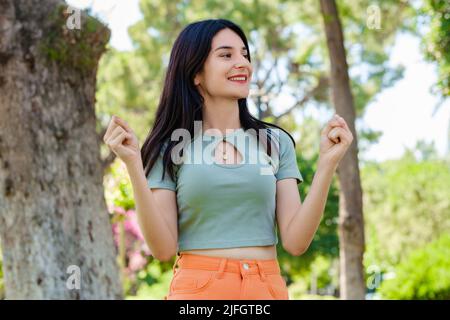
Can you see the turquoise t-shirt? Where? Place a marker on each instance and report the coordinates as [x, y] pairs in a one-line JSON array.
[[228, 205]]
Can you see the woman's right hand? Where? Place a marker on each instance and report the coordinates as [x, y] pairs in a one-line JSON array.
[[120, 138]]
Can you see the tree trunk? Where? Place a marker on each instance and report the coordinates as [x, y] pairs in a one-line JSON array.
[[351, 222], [53, 217]]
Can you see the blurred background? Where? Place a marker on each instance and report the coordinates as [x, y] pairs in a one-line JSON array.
[[398, 55]]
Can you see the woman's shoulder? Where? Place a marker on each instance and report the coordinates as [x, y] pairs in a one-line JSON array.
[[279, 135]]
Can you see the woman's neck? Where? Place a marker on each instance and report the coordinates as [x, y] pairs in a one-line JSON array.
[[221, 114]]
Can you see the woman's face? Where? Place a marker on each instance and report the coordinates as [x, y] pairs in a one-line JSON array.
[[227, 58]]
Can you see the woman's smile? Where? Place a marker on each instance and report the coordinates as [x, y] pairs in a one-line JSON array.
[[239, 79]]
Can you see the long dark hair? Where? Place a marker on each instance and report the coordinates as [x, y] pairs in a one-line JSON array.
[[181, 103]]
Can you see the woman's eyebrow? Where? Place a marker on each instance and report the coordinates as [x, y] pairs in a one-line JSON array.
[[228, 47]]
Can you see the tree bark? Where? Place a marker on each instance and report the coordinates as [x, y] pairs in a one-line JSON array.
[[52, 209], [351, 222]]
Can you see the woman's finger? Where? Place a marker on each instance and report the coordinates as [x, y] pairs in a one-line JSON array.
[[334, 122], [117, 131], [122, 123], [332, 136], [111, 126], [119, 139], [336, 134], [349, 137], [344, 123], [341, 135]]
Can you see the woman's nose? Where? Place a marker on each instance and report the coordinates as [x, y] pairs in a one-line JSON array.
[[242, 64]]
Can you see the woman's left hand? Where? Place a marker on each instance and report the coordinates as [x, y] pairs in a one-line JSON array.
[[335, 139]]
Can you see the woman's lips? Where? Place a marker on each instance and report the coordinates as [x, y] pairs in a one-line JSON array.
[[239, 81]]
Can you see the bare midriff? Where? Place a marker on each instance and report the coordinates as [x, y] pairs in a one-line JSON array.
[[249, 253]]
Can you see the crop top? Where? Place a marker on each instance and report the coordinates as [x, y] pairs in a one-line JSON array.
[[228, 205]]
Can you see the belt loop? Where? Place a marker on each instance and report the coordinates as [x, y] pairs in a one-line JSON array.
[[176, 262], [261, 271], [223, 263]]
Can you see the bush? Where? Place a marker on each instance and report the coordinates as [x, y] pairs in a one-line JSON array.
[[423, 275], [157, 289]]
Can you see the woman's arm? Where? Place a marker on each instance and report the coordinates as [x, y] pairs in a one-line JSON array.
[[336, 137], [158, 234], [306, 220]]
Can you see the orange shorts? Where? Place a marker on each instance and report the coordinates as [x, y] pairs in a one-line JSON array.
[[200, 277]]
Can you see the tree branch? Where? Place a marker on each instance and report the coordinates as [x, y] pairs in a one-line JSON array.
[[322, 82]]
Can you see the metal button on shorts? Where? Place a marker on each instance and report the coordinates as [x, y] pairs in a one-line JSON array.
[[245, 266]]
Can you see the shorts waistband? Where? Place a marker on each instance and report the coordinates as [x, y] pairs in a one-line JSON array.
[[221, 264]]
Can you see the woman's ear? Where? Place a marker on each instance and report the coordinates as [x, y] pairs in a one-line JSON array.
[[197, 79]]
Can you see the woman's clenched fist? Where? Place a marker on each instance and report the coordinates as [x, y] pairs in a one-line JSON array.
[[122, 141], [335, 139]]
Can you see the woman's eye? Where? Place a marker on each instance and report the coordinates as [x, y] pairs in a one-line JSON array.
[[228, 55]]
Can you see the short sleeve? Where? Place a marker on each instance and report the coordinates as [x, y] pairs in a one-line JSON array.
[[154, 178], [287, 167]]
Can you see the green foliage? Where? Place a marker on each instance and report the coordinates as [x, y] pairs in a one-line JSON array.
[[367, 49], [118, 188], [153, 283], [320, 281], [406, 205], [126, 88], [423, 275], [437, 40], [77, 48]]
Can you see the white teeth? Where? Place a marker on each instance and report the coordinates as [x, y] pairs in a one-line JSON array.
[[238, 79]]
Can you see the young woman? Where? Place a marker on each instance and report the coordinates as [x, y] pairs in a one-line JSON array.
[[219, 215]]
